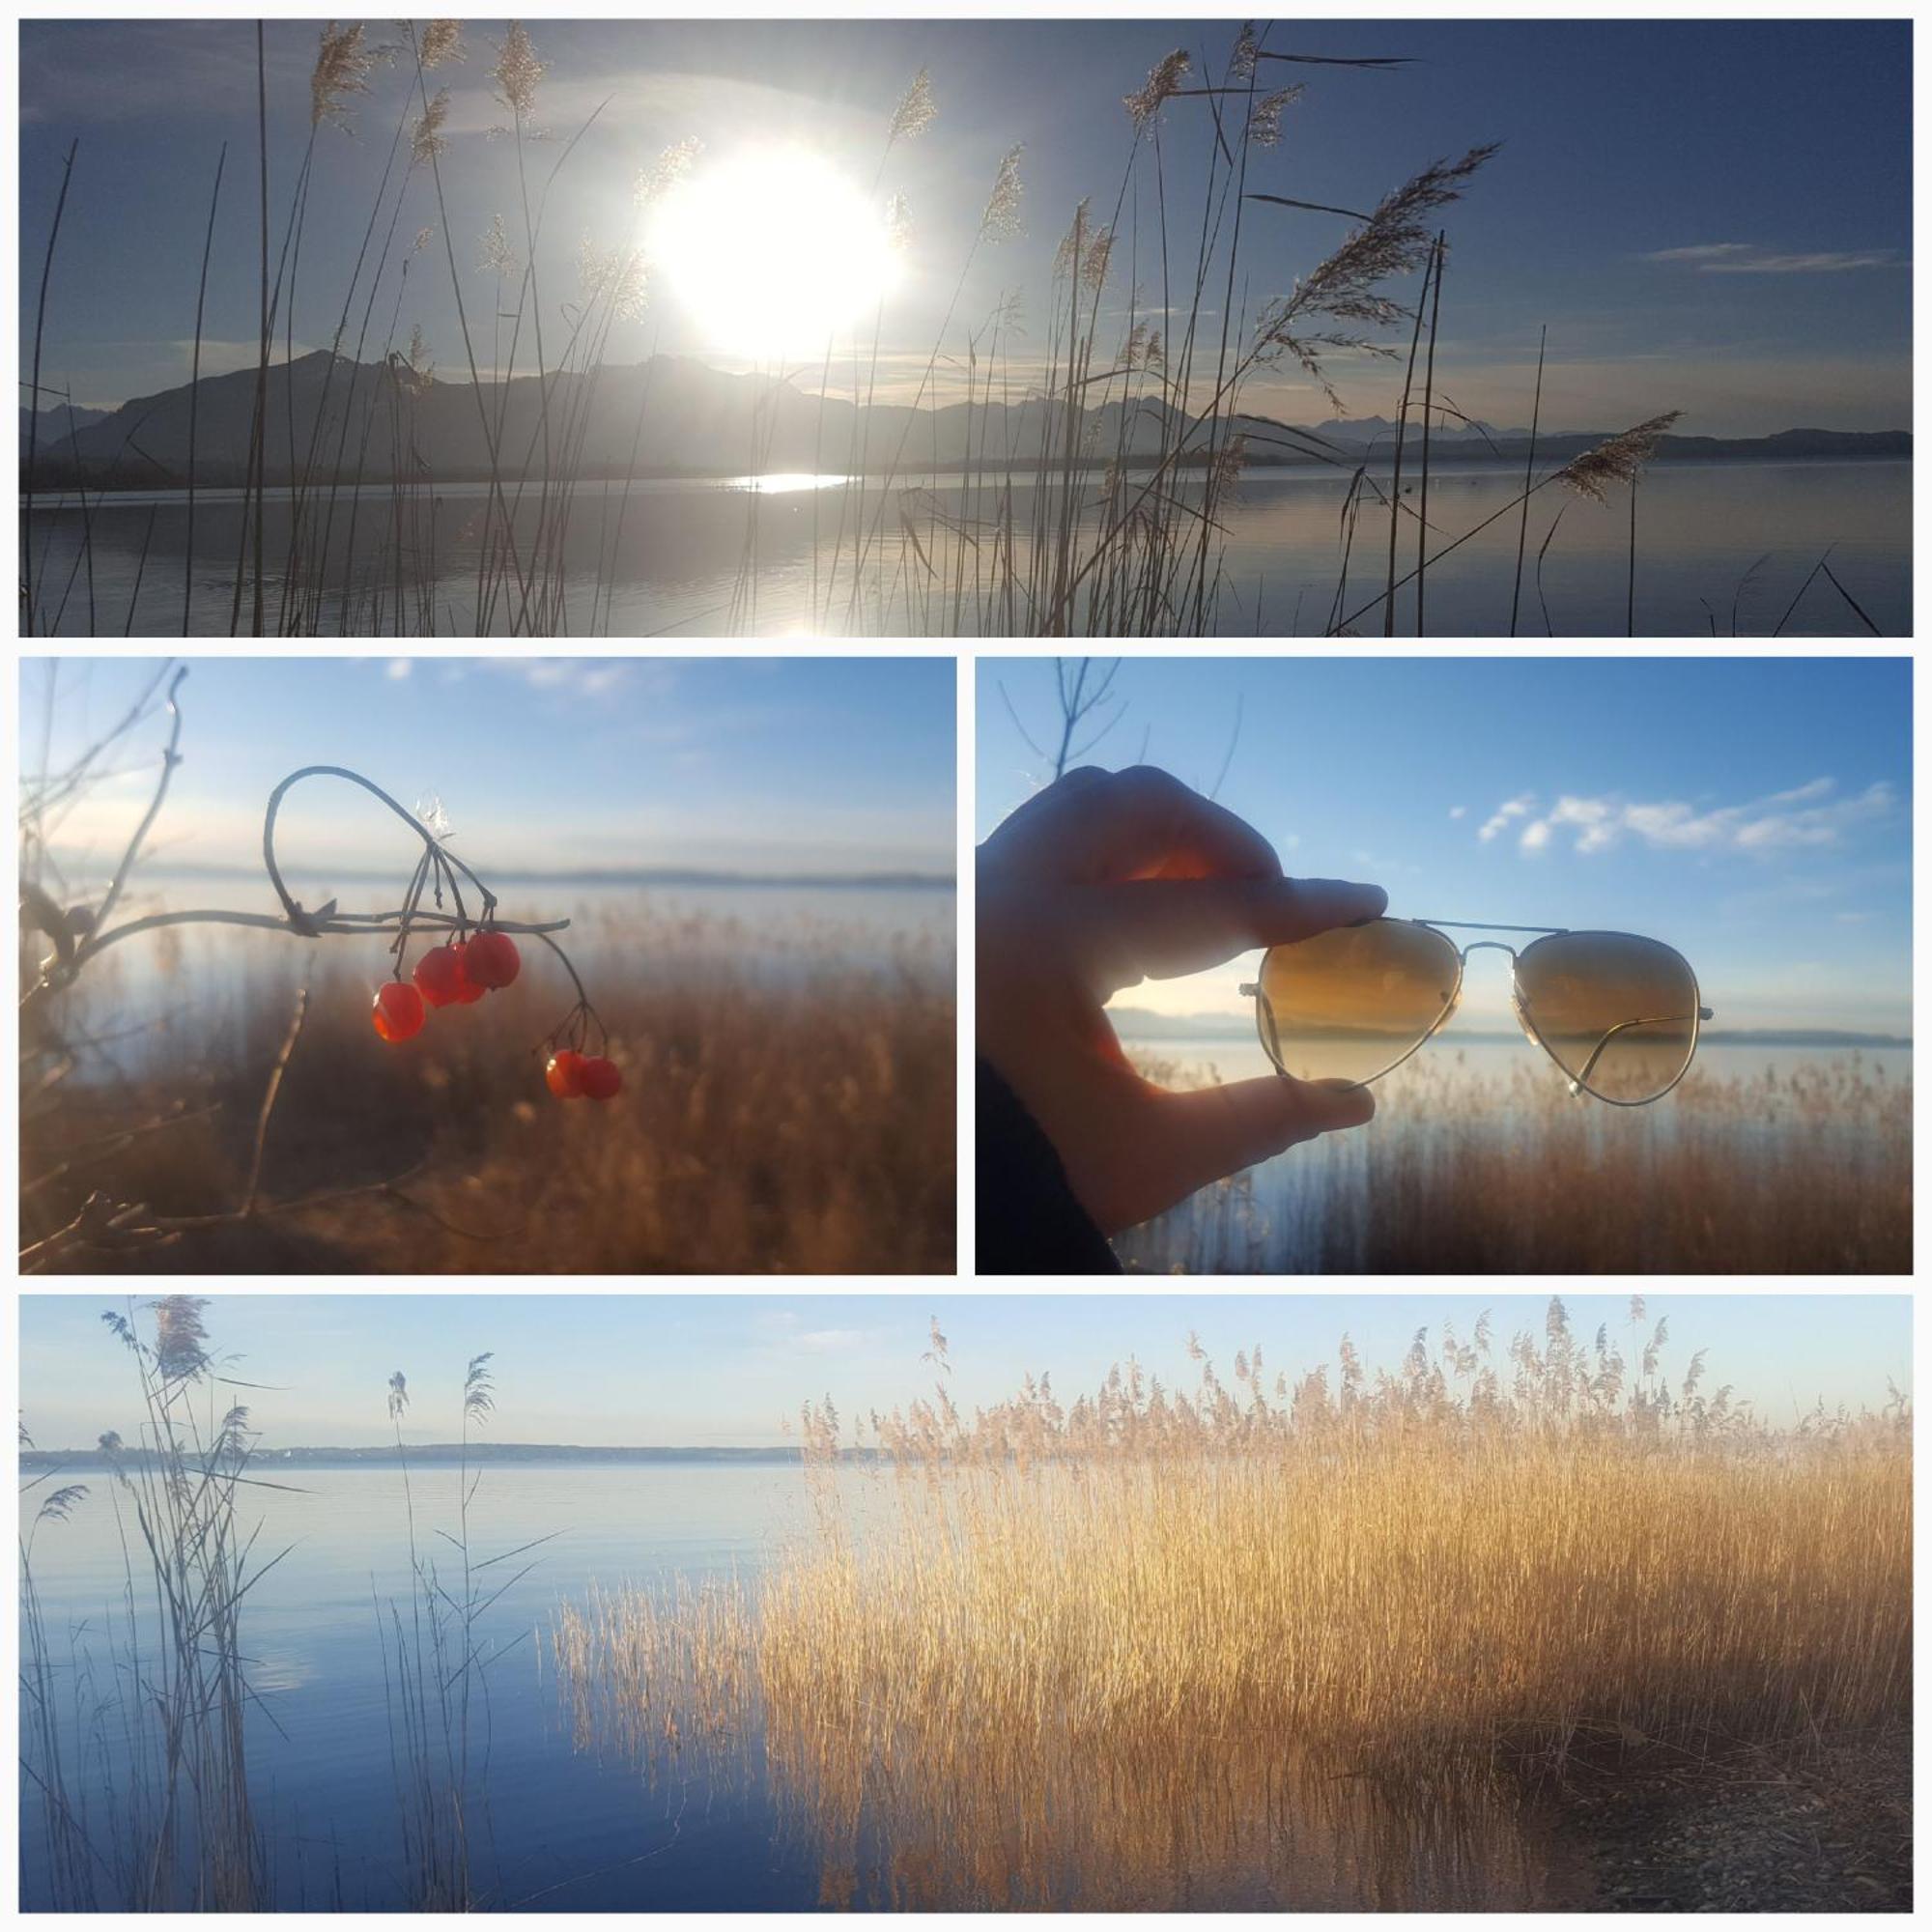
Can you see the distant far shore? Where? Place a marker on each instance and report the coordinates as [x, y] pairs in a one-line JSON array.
[[385, 1455], [1136, 1023], [1881, 445]]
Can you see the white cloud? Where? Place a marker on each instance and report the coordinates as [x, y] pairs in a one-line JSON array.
[[582, 677], [1808, 815], [398, 669], [1747, 258], [1458, 811], [1498, 821]]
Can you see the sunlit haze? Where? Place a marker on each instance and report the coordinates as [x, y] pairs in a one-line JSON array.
[[1709, 216]]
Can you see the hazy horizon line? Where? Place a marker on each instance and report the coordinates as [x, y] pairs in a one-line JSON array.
[[798, 380], [872, 879]]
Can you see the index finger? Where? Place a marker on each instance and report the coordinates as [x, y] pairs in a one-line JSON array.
[[1141, 823], [1162, 928]]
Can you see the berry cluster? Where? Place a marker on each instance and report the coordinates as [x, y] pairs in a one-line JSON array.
[[477, 958], [583, 1076], [456, 974]]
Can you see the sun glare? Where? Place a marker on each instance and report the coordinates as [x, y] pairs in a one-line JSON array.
[[772, 252]]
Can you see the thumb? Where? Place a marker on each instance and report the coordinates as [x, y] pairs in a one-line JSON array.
[[1214, 1132]]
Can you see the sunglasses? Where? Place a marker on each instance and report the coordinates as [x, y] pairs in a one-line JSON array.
[[1617, 1013]]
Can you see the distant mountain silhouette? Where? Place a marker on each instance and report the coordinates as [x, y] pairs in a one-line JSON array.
[[56, 420], [332, 418]]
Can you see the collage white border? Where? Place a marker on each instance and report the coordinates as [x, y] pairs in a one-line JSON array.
[[966, 682]]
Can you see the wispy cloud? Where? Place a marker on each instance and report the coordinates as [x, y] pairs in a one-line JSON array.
[[782, 1336], [1498, 821], [1807, 816], [1749, 258], [576, 677]]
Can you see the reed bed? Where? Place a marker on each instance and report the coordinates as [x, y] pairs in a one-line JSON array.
[[787, 1106], [136, 1783], [1797, 1169], [174, 1827], [1104, 421], [1311, 1639]]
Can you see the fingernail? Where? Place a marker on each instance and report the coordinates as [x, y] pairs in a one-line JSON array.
[[1354, 1105]]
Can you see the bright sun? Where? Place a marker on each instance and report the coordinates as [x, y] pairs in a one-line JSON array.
[[772, 252]]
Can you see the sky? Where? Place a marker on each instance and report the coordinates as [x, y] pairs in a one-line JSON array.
[[1708, 215], [1755, 814], [766, 766], [711, 1370]]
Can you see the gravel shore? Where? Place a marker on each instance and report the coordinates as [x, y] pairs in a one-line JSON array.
[[1827, 1830]]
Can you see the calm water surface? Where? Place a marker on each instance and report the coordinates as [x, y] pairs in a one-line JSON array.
[[1724, 549], [197, 983], [574, 1824]]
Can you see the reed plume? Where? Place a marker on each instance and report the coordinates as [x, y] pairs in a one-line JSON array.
[[1001, 218], [498, 256], [669, 168], [517, 72], [343, 64], [426, 139], [1163, 80], [1265, 118], [1616, 459], [916, 111], [441, 42]]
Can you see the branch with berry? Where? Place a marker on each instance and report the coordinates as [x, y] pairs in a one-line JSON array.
[[474, 951]]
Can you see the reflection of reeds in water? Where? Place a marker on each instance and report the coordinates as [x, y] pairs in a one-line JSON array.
[[1792, 1171], [785, 1106], [1308, 1643]]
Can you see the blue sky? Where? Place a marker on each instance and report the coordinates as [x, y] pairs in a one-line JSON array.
[[711, 1369], [785, 766], [1755, 813], [1710, 216]]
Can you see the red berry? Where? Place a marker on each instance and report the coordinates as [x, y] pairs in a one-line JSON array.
[[564, 1075], [398, 1013], [599, 1078], [440, 976], [469, 992], [493, 960]]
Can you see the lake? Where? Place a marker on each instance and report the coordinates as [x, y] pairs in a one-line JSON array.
[[1724, 549], [575, 1822], [183, 986]]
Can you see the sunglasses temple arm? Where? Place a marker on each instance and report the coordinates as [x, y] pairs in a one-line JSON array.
[[1265, 1009], [1624, 1026]]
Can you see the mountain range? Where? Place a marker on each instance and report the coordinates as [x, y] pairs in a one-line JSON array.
[[330, 418]]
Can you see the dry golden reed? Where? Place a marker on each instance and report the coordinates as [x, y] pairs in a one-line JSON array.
[[775, 1119], [1109, 1652], [1802, 1167]]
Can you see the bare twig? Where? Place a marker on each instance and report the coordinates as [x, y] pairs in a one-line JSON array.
[[270, 1095], [170, 758]]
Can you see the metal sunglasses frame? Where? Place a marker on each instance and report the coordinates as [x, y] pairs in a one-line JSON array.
[[1579, 1083]]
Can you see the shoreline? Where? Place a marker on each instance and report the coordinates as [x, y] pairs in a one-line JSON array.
[[1824, 1827]]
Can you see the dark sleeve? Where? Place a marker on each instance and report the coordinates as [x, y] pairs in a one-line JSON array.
[[1027, 1219]]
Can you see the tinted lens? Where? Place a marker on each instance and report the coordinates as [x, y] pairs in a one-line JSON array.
[[1618, 1015], [1348, 1005]]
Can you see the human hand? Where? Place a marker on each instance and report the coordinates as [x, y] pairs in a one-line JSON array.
[[1100, 881]]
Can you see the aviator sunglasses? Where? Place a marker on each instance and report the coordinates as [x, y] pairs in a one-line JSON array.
[[1619, 1014]]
